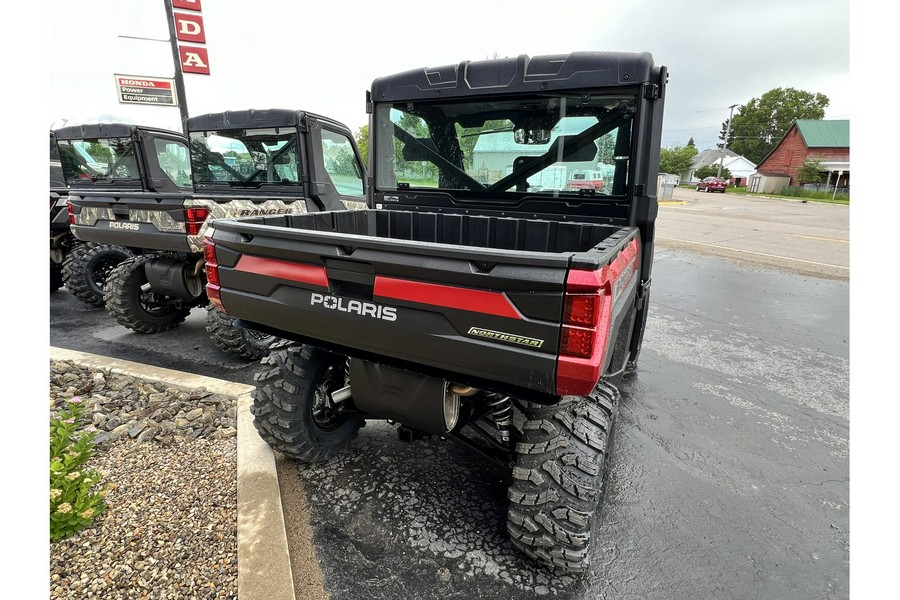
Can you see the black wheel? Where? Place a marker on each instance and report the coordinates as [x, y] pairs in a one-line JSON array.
[[87, 268], [558, 478], [131, 302], [56, 280], [292, 406], [241, 342]]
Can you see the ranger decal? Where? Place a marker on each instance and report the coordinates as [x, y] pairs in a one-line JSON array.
[[265, 211]]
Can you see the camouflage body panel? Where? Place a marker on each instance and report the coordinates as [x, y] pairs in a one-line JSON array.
[[162, 220], [239, 207], [354, 205]]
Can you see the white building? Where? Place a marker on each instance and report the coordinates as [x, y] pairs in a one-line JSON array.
[[739, 167]]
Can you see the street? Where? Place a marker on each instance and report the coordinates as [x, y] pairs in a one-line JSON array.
[[809, 238]]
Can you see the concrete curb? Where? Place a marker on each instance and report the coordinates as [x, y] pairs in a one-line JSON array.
[[264, 566]]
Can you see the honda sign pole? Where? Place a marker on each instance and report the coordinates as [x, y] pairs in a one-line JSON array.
[[179, 75]]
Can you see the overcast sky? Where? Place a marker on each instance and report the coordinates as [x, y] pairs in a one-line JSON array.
[[323, 56]]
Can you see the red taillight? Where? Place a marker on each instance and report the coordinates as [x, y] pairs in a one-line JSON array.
[[212, 274], [577, 341], [580, 309], [213, 288], [71, 212], [587, 318], [209, 251], [194, 219]]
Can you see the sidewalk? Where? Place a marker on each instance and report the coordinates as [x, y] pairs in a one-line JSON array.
[[264, 566]]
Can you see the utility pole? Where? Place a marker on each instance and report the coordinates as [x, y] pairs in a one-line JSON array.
[[727, 135]]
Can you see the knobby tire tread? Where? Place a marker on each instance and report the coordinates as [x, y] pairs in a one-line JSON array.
[[285, 388], [558, 478]]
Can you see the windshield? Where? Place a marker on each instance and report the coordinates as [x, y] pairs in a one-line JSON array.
[[99, 159], [567, 144], [245, 156]]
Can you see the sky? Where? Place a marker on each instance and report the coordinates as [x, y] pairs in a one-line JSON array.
[[323, 56]]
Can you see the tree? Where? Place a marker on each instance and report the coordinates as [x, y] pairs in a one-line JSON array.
[[677, 159], [760, 124], [722, 133], [712, 171], [99, 151], [691, 143], [362, 142], [810, 171], [606, 148]]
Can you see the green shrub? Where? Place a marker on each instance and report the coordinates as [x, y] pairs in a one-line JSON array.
[[76, 498]]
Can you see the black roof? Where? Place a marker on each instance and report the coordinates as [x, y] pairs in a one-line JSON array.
[[575, 70], [245, 119], [106, 130], [254, 119]]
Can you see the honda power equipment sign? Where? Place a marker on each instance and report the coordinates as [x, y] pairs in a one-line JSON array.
[[134, 89]]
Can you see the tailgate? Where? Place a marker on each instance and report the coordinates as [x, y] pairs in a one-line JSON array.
[[487, 314], [165, 221], [140, 220]]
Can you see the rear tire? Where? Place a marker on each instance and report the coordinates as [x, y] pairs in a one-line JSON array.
[[290, 403], [238, 341], [87, 268], [140, 310], [558, 478]]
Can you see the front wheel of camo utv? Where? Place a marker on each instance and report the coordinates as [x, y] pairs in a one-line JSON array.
[[238, 341], [87, 268], [558, 478], [293, 409], [131, 302]]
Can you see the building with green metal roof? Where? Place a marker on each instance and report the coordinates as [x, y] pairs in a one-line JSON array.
[[825, 141]]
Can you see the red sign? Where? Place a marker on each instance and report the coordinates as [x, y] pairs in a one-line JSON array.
[[194, 60], [189, 28], [146, 90], [186, 4]]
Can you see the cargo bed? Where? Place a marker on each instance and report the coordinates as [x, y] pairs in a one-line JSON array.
[[473, 298]]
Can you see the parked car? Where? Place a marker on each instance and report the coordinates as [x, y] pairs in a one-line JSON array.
[[712, 184], [586, 180]]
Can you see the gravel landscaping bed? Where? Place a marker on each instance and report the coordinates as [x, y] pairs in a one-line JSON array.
[[170, 457]]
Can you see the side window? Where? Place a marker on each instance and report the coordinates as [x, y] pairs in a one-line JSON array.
[[174, 160], [341, 164]]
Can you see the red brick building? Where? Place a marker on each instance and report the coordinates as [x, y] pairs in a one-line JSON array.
[[826, 141]]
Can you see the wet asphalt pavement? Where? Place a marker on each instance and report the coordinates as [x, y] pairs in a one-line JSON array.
[[729, 476]]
